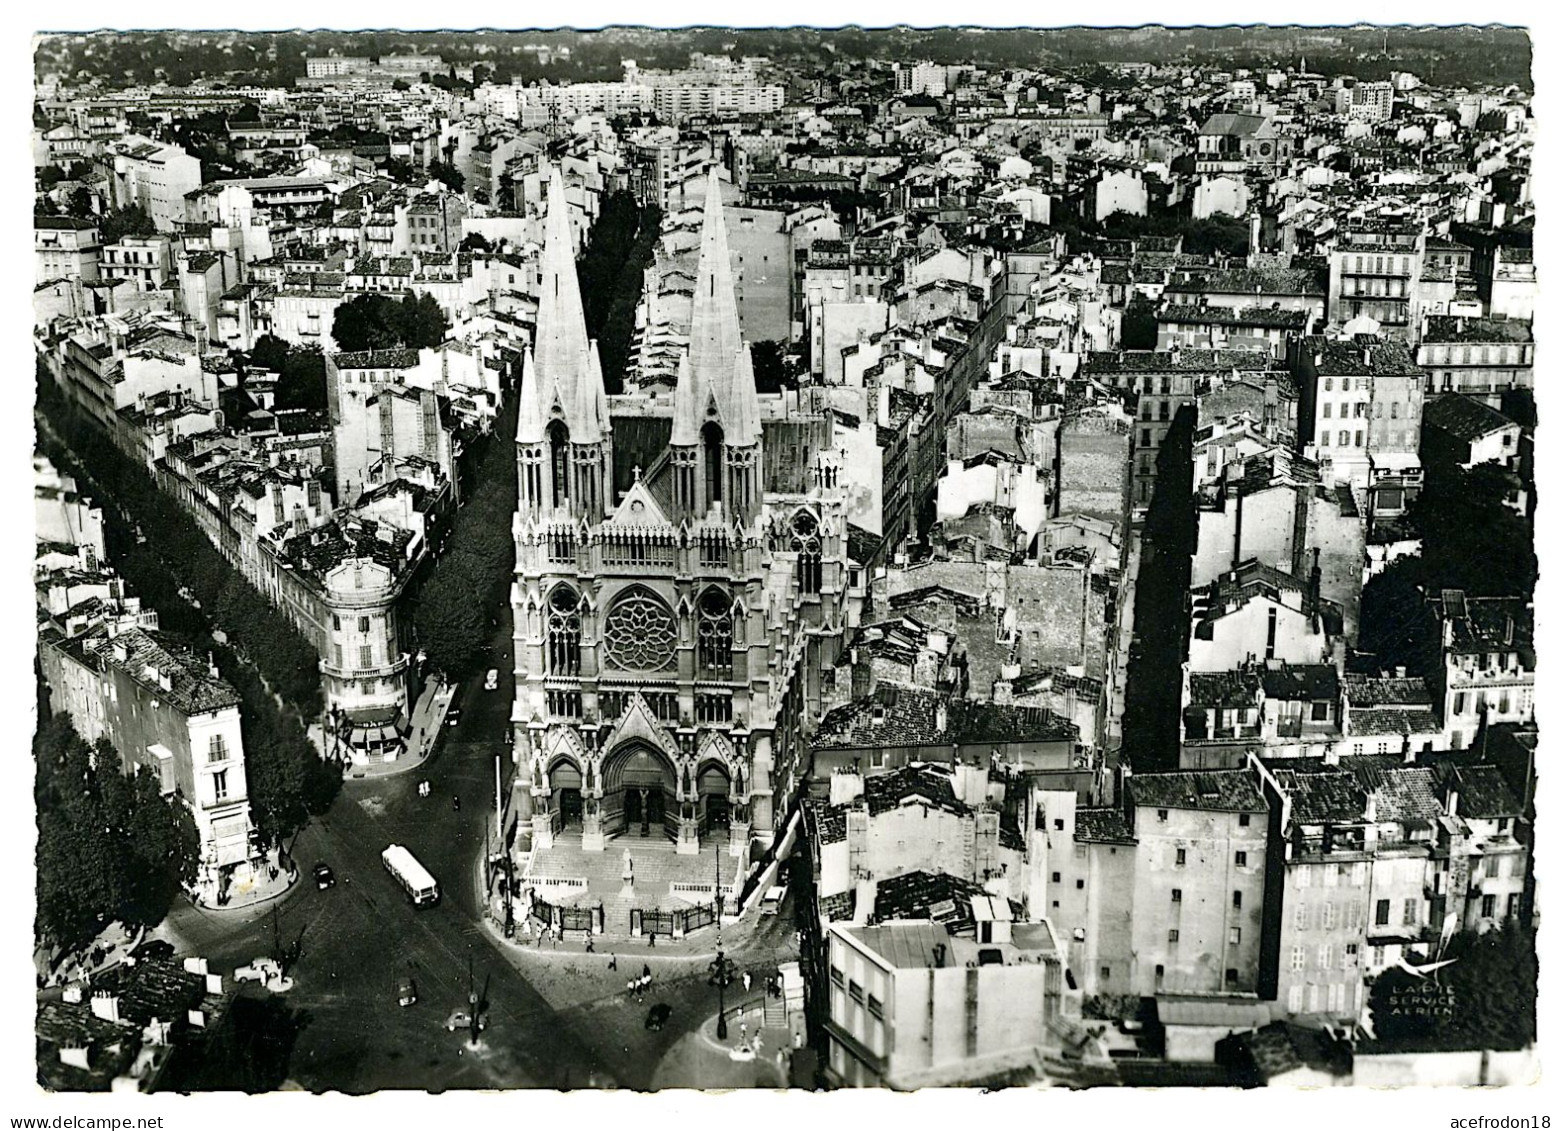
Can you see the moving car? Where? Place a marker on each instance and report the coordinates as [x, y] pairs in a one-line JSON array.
[[656, 1019], [492, 682], [452, 716], [771, 904], [323, 876], [406, 990]]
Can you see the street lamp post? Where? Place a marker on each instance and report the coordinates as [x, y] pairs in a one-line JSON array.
[[721, 966]]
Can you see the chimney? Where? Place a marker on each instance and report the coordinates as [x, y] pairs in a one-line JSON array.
[[1507, 635], [943, 717], [105, 1006], [1365, 358]]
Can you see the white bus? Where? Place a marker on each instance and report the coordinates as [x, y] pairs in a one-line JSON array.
[[420, 887]]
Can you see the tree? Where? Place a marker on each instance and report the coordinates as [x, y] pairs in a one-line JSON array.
[[303, 380], [448, 175], [110, 844], [1140, 331], [1484, 1000], [368, 322], [130, 220], [1471, 540], [400, 84], [269, 353], [770, 373], [476, 241], [423, 322]]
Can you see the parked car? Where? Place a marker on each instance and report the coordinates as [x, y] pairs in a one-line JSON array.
[[152, 949], [260, 970], [492, 682], [656, 1019], [406, 990], [323, 876]]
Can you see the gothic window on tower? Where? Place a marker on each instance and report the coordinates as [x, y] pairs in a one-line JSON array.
[[810, 554], [563, 632], [558, 441], [714, 469], [640, 634], [715, 635]]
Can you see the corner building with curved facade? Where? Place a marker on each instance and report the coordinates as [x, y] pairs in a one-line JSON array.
[[668, 642]]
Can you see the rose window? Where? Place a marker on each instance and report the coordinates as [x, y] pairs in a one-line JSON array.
[[640, 634]]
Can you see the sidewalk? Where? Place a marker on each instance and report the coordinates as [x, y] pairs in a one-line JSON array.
[[105, 952], [427, 720]]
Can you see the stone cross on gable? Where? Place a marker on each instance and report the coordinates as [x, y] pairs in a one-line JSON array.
[[636, 473]]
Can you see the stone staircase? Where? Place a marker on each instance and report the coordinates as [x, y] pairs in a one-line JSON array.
[[774, 1012]]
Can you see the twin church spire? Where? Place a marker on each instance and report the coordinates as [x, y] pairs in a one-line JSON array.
[[565, 431]]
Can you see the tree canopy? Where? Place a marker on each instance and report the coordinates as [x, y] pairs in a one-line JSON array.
[[1484, 1000], [477, 565], [110, 845], [130, 220], [377, 322]]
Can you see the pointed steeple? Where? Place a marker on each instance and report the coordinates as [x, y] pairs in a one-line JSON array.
[[563, 352], [531, 428], [686, 412], [715, 345]]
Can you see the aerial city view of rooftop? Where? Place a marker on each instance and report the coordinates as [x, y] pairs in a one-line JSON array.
[[784, 558]]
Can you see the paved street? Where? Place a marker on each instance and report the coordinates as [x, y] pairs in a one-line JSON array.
[[556, 1020]]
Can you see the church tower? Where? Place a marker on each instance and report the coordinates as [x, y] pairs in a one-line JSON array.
[[717, 437], [564, 434]]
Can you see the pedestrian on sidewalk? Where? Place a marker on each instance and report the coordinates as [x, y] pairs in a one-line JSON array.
[[747, 981], [652, 940], [612, 962], [590, 944]]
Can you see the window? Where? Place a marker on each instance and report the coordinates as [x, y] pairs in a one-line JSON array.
[[875, 1007], [1105, 973], [1328, 384], [1235, 936], [1360, 438], [1160, 814], [810, 553], [219, 784], [1300, 916], [1411, 912], [366, 656], [1176, 895], [1345, 385], [563, 632], [1159, 973], [1235, 900], [1298, 958], [336, 622], [836, 977], [1175, 936], [1181, 857], [1327, 410], [1325, 439], [1078, 884], [1241, 859], [363, 624], [1327, 916], [1320, 711], [715, 634], [1231, 975], [1384, 910], [1244, 820], [1487, 907], [218, 750], [1056, 877]]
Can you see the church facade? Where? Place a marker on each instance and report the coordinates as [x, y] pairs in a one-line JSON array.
[[668, 642]]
